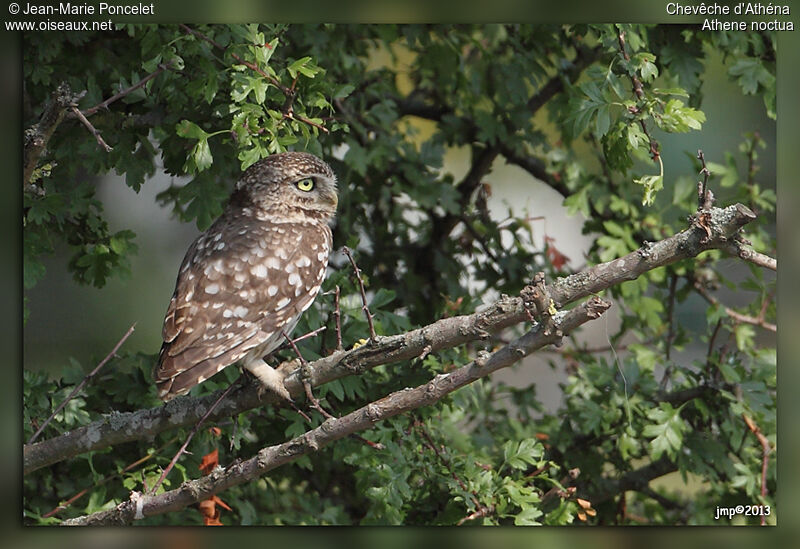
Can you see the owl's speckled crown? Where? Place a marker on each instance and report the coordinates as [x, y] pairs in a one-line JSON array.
[[286, 166]]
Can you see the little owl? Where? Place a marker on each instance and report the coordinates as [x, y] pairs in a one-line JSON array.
[[248, 278]]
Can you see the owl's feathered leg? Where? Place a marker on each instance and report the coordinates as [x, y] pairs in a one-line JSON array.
[[268, 376]]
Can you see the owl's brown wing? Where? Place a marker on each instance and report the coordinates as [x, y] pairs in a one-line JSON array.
[[239, 286]]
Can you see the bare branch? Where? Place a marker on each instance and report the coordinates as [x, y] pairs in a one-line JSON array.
[[637, 90], [182, 449], [82, 384], [305, 375], [122, 93], [738, 317], [91, 128], [446, 333], [372, 336], [747, 253], [766, 449], [337, 313], [312, 333], [673, 283], [705, 198], [271, 457]]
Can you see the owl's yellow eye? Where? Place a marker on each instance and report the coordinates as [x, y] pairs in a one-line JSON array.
[[305, 184]]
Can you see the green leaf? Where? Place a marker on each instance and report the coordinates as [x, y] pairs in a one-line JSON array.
[[745, 335], [652, 184], [201, 155], [343, 90], [683, 63], [646, 63], [33, 271], [751, 74], [528, 517], [679, 118], [521, 454], [382, 297], [603, 120], [578, 202], [190, 130], [668, 430], [299, 66], [646, 357], [670, 91]]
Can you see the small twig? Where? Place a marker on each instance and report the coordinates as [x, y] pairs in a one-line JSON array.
[[711, 342], [252, 66], [104, 105], [746, 253], [372, 336], [337, 314], [766, 449], [673, 283], [304, 415], [705, 198], [305, 373], [234, 432], [481, 510], [107, 478], [189, 438], [637, 89], [310, 334], [579, 350], [566, 482], [288, 92], [92, 129], [291, 116], [481, 240], [82, 383], [739, 317], [751, 160], [765, 304], [315, 403]]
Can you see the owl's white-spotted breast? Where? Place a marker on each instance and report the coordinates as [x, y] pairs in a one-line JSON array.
[[249, 277]]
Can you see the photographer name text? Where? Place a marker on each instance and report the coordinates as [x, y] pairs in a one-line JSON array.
[[69, 8]]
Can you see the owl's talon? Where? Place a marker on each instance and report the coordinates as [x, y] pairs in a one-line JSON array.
[[269, 379]]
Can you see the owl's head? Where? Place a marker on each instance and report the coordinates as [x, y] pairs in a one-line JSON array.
[[289, 183]]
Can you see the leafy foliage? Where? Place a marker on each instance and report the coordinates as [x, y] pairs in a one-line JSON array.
[[385, 104]]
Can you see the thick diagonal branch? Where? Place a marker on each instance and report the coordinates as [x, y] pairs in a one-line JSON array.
[[37, 136], [271, 457], [116, 428]]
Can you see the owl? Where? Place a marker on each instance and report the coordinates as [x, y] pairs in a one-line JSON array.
[[248, 278]]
